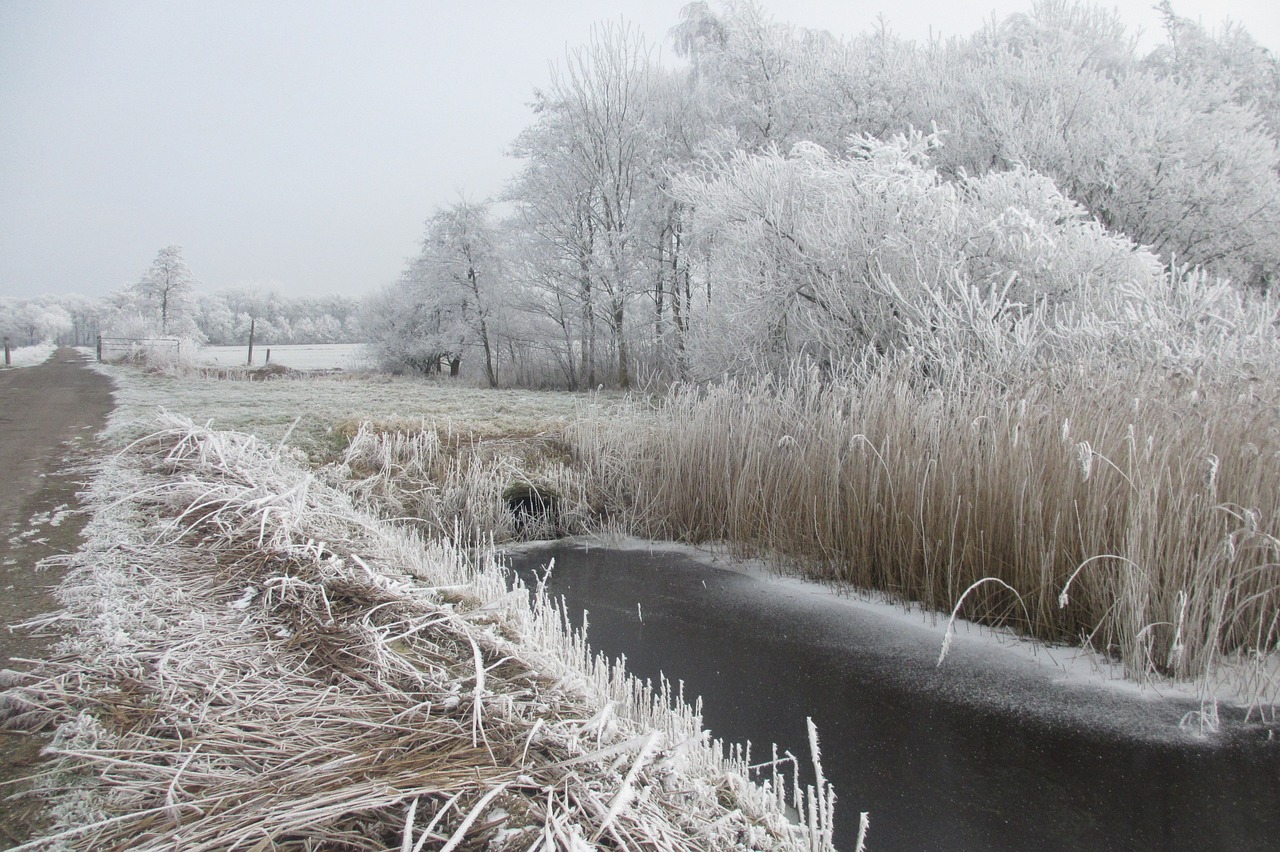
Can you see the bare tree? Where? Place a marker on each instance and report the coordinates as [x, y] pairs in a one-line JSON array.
[[596, 130], [447, 300]]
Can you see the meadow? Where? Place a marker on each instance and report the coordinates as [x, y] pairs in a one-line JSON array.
[[297, 356], [319, 413]]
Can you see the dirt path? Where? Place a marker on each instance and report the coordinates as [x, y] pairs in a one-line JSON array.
[[49, 415]]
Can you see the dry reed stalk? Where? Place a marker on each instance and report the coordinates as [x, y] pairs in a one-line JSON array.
[[1153, 496], [253, 662]]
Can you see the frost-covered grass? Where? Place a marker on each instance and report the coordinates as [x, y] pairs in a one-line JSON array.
[[451, 457], [330, 409], [253, 661], [29, 356], [460, 479], [1147, 501]]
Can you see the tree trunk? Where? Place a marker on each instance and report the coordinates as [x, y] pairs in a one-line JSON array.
[[661, 282], [490, 372], [624, 376]]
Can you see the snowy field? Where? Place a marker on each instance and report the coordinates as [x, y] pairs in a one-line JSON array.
[[301, 356], [325, 404], [29, 356]]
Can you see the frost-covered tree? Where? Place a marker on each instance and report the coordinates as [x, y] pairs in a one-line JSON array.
[[165, 292], [86, 314], [457, 276], [28, 322], [550, 255], [760, 82], [592, 150], [216, 319], [448, 300], [1177, 150], [1176, 162], [1229, 57], [828, 257], [996, 191], [224, 317]]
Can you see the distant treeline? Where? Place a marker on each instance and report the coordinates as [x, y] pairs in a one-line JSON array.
[[219, 318]]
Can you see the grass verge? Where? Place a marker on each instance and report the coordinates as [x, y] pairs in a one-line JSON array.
[[250, 659]]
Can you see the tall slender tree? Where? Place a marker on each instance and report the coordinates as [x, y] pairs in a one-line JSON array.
[[595, 128], [165, 289]]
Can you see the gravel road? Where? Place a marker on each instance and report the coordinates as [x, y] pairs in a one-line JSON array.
[[49, 417]]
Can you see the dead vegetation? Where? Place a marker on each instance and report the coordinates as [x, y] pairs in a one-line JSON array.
[[1127, 510], [467, 481], [251, 662]]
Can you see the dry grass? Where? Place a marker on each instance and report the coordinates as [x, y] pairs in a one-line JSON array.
[[1135, 512], [462, 481], [252, 662], [446, 456], [29, 356]]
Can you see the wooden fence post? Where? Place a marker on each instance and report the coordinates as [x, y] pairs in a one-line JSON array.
[[8, 361], [251, 325], [99, 347]]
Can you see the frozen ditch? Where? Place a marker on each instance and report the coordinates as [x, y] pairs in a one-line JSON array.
[[1003, 747]]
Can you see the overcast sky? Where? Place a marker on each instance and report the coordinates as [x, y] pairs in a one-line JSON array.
[[301, 145]]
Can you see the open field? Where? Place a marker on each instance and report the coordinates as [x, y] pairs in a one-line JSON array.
[[329, 409], [297, 356]]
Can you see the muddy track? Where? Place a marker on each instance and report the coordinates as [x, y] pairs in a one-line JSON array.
[[49, 417]]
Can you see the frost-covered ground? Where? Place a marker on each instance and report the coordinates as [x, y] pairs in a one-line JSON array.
[[29, 356], [250, 660], [329, 407], [299, 356]]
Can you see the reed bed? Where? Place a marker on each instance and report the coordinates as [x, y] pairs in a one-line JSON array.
[[250, 661], [1135, 512]]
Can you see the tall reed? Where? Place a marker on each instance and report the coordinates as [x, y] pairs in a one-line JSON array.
[[1132, 510]]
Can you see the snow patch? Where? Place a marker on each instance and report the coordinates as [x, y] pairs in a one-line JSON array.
[[30, 356]]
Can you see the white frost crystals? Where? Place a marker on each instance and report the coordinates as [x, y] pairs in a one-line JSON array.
[[253, 661]]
